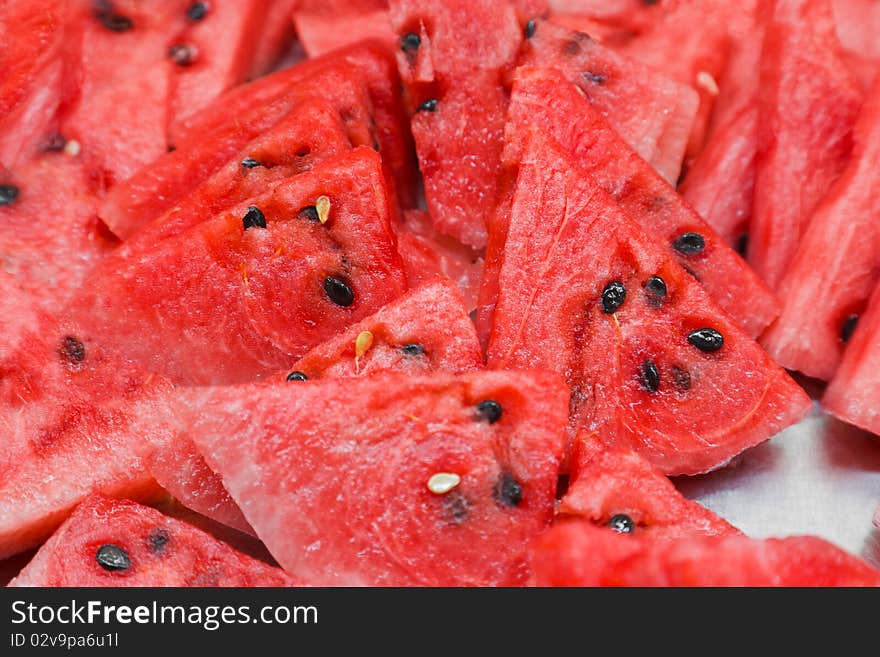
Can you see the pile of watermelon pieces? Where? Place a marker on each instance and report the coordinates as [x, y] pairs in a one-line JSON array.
[[405, 292]]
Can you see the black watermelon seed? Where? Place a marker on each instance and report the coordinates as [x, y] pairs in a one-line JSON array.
[[112, 557], [253, 218], [250, 163], [8, 194], [689, 244], [108, 17], [594, 78], [508, 491], [489, 410], [848, 328], [681, 378], [706, 339], [197, 11], [297, 376], [73, 350], [413, 349], [309, 213], [338, 291], [55, 142], [456, 506], [622, 524], [410, 42], [742, 245], [650, 3], [650, 376], [182, 54], [428, 106], [613, 297], [157, 540], [531, 26], [655, 290]]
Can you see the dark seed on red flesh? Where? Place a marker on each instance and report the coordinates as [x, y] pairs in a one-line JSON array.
[[650, 376], [297, 376], [253, 218], [182, 54], [489, 411], [197, 11], [108, 17], [681, 378], [848, 328], [157, 540], [594, 78], [113, 558], [8, 194], [531, 26], [249, 163], [622, 524], [338, 291], [410, 42], [689, 244], [742, 245], [73, 350], [309, 213], [428, 106], [413, 349], [655, 290], [613, 297], [508, 491], [456, 507], [707, 340], [55, 142]]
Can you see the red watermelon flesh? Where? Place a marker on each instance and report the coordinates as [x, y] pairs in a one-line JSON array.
[[158, 187], [641, 193], [38, 55], [579, 554], [641, 372], [230, 301], [323, 26], [852, 394], [836, 265], [121, 118], [453, 73], [150, 549], [50, 237], [369, 60], [75, 422], [652, 113], [632, 15], [857, 24], [426, 254], [369, 448], [311, 133], [426, 330], [610, 480], [808, 104], [276, 38]]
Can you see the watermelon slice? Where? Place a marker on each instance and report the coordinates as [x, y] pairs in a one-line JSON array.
[[651, 361], [579, 554], [652, 113], [808, 104], [75, 421], [171, 178], [325, 25], [852, 394], [241, 294], [419, 468], [640, 192], [613, 486], [120, 543], [451, 58], [837, 264]]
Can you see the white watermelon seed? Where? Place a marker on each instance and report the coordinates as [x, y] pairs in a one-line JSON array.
[[441, 483], [707, 82], [322, 205]]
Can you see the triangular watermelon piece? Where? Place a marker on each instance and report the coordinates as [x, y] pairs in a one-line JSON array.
[[75, 421], [613, 486], [120, 543], [579, 554], [651, 113], [420, 470], [836, 266], [239, 295], [325, 25], [852, 394], [651, 360], [425, 330], [451, 58], [369, 60], [808, 104], [543, 97], [159, 187]]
